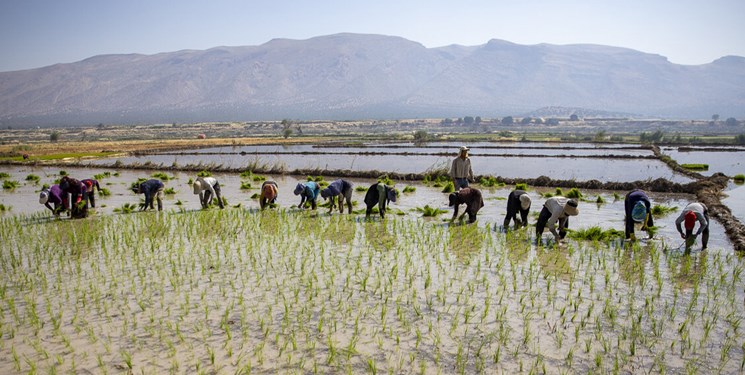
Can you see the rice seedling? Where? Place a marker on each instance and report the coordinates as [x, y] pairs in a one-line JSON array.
[[4, 208], [428, 211], [521, 186], [33, 178], [574, 193], [600, 200], [408, 189], [4, 175], [162, 176], [63, 173], [245, 185], [105, 192], [696, 167], [595, 233], [659, 210], [204, 173], [360, 188], [10, 184], [449, 187], [169, 191], [739, 178]]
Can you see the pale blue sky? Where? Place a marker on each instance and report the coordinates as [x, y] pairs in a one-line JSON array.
[[35, 33]]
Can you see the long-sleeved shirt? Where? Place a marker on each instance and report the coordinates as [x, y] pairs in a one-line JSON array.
[[379, 193], [74, 187], [90, 184], [697, 208], [632, 198], [150, 188], [55, 195], [555, 206], [336, 188], [202, 184], [269, 191], [461, 168], [473, 200], [513, 205]]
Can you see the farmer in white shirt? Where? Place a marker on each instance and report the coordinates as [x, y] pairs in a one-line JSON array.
[[556, 209], [694, 212], [207, 188]]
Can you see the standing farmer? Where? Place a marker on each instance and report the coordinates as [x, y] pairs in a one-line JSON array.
[[269, 192], [90, 185], [78, 196], [638, 210], [207, 188], [473, 200], [517, 201], [308, 192], [691, 214], [460, 170], [341, 189], [379, 194], [152, 189], [556, 209]]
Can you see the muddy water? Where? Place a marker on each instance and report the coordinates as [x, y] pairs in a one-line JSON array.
[[513, 167], [24, 200], [236, 291], [736, 201]]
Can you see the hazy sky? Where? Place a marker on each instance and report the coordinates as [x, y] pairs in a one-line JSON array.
[[35, 33]]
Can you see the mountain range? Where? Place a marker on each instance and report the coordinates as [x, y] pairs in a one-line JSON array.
[[354, 76]]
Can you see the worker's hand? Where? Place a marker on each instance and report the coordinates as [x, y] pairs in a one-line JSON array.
[[683, 236]]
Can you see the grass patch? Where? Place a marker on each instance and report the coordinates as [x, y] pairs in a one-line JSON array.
[[696, 167]]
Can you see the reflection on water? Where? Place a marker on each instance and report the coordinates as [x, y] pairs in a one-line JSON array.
[[729, 163]]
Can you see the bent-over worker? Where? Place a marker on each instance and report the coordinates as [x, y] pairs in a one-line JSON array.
[[341, 190], [153, 189], [472, 199], [638, 210], [269, 192], [556, 209], [692, 213], [379, 194], [517, 201], [208, 188]]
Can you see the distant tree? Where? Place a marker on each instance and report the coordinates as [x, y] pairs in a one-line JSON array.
[[538, 120], [299, 129], [287, 133], [574, 117], [459, 121], [54, 137], [655, 137], [477, 120], [99, 126], [715, 117], [526, 120], [508, 120], [599, 136], [447, 121], [731, 121], [468, 120], [420, 136], [740, 139], [552, 121], [286, 128]]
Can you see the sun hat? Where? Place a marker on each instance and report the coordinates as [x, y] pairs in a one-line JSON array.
[[44, 197], [197, 187], [524, 201], [570, 208], [690, 219], [464, 148], [639, 212]]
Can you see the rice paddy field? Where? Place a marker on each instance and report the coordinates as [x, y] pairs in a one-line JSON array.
[[285, 290]]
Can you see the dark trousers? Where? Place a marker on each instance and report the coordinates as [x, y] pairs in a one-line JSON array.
[[208, 194], [513, 207], [540, 225]]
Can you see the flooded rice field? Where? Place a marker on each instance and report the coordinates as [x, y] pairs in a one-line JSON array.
[[581, 162], [728, 160], [285, 290]]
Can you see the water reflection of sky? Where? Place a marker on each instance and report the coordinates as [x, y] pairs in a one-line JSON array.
[[512, 167], [729, 163], [24, 200]]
